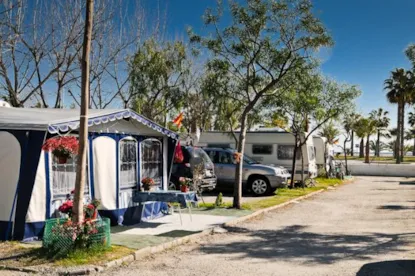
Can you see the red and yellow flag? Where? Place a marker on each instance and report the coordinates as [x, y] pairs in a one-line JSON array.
[[178, 120]]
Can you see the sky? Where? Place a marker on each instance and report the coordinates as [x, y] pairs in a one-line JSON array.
[[370, 38]]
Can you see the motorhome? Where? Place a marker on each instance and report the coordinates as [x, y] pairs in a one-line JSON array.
[[267, 147]]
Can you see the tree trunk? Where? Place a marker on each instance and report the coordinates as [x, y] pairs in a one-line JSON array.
[[78, 211], [352, 144], [237, 191], [345, 157], [325, 160], [294, 161], [367, 149], [413, 150], [398, 136], [361, 149], [302, 171], [377, 152], [402, 131]]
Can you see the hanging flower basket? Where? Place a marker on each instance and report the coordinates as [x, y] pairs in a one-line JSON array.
[[62, 147]]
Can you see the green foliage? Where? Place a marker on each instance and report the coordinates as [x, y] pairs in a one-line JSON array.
[[330, 132], [62, 236], [365, 127], [382, 146], [250, 59], [380, 118], [252, 55], [400, 86], [410, 54], [157, 78]]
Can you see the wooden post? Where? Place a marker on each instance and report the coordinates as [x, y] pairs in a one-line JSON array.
[[83, 127]]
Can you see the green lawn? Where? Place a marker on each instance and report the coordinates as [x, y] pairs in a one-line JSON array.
[[17, 254], [284, 195], [280, 196]]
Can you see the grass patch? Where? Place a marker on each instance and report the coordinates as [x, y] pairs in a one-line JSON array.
[[94, 256], [286, 194], [17, 254], [225, 205], [387, 159]]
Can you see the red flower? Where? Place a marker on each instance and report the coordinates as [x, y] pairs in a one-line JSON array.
[[66, 207], [62, 146], [147, 181]]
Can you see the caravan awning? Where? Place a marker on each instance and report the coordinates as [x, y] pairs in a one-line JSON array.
[[63, 120]]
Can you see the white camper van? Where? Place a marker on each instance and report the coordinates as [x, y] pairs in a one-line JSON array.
[[320, 146], [267, 147]]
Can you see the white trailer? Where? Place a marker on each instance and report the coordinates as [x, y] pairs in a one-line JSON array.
[[267, 147], [321, 146]]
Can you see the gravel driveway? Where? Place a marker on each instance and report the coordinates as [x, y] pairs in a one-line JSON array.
[[364, 228]]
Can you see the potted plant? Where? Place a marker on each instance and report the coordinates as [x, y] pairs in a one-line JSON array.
[[62, 147], [91, 210], [184, 184], [148, 183]]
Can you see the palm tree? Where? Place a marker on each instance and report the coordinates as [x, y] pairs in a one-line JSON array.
[[365, 127], [349, 125], [354, 117], [393, 145], [411, 122], [400, 89], [381, 146], [360, 131], [381, 121]]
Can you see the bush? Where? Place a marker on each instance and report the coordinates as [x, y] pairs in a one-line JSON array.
[[219, 200], [62, 236]]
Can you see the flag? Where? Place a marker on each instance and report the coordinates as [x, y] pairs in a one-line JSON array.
[[178, 120], [178, 155]]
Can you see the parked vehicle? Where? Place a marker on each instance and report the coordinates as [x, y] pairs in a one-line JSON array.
[[274, 148], [194, 159], [258, 178]]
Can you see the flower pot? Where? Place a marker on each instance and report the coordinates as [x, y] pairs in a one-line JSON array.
[[184, 189], [62, 159]]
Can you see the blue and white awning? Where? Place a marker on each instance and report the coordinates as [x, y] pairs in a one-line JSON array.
[[124, 114], [64, 120]]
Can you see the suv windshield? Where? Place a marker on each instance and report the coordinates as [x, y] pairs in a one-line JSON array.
[[198, 152]]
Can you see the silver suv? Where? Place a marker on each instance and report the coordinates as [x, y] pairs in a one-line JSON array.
[[258, 178]]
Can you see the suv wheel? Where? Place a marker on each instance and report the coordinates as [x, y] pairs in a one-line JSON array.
[[260, 186]]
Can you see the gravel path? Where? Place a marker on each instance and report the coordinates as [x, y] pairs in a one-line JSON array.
[[364, 228]]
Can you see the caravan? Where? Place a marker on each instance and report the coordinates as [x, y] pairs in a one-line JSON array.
[[267, 147], [322, 148]]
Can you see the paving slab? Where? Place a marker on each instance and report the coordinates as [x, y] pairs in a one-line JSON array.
[[164, 229]]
